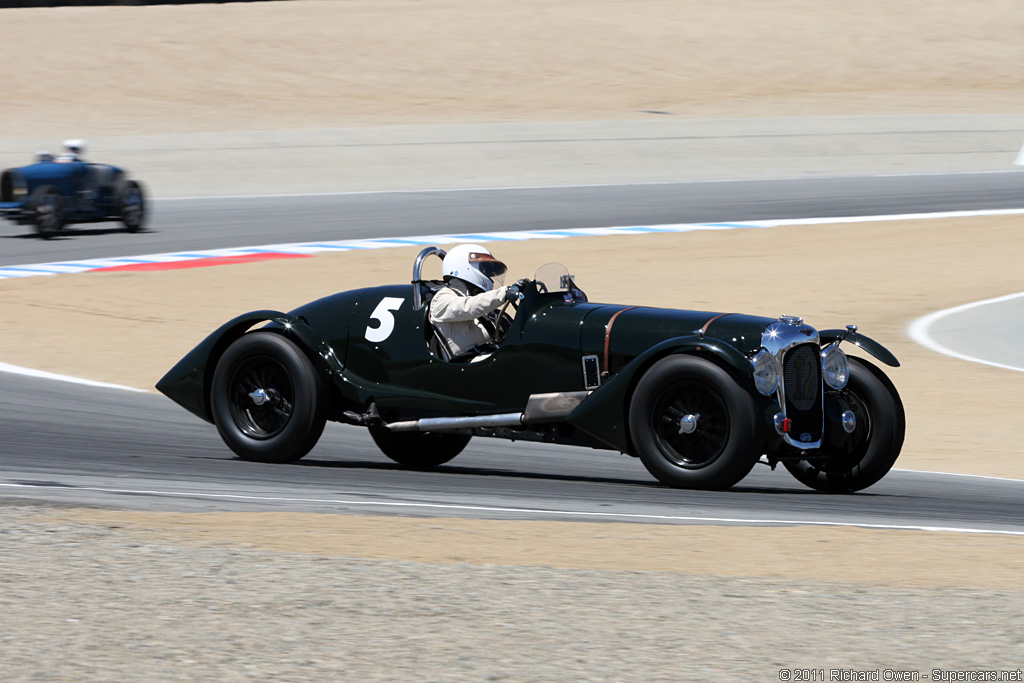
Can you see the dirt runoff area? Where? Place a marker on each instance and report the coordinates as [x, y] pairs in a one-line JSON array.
[[80, 71]]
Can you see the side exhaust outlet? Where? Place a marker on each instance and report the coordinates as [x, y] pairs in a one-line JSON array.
[[540, 408]]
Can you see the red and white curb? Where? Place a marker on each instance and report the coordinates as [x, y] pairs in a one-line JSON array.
[[214, 257], [301, 249]]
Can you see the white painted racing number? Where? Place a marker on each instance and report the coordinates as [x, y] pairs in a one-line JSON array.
[[383, 315]]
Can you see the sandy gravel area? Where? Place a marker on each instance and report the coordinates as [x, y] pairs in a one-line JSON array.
[[102, 601], [868, 556]]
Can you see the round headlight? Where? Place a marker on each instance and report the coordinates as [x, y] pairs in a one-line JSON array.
[[766, 372], [835, 367]]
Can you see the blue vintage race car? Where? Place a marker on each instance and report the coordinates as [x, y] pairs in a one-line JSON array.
[[55, 192]]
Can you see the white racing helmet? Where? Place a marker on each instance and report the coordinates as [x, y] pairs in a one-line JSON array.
[[75, 146], [474, 264]]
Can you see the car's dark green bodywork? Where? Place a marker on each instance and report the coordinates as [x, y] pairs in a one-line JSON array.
[[551, 333]]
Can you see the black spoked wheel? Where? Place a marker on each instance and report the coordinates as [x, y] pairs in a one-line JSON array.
[[262, 397], [856, 460], [418, 450], [131, 204], [693, 425], [47, 207], [266, 399]]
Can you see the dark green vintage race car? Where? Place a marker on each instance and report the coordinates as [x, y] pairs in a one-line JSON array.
[[699, 397]]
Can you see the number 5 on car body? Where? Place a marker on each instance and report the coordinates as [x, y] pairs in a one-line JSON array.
[[387, 321]]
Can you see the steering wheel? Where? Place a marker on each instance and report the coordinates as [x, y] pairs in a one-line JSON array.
[[499, 336]]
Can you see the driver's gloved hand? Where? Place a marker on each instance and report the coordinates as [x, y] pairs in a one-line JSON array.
[[514, 292]]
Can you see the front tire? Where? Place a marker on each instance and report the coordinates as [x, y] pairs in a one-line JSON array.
[[46, 206], [418, 450], [855, 461], [693, 425], [267, 399]]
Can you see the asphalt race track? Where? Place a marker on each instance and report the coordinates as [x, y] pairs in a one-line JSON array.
[[234, 222], [71, 444]]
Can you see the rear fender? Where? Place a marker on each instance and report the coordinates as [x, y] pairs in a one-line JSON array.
[[188, 382], [604, 414]]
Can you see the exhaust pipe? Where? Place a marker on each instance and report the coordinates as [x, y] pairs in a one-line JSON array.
[[447, 424], [539, 408]]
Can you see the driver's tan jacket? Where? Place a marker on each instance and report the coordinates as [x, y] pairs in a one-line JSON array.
[[454, 312]]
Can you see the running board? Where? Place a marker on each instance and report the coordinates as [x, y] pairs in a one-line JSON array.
[[540, 408]]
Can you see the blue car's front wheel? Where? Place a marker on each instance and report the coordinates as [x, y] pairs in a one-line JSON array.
[[46, 207]]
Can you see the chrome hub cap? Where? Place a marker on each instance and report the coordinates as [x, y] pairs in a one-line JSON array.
[[688, 424], [259, 397]]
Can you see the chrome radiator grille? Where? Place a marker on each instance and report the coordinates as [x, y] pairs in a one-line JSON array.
[[801, 372]]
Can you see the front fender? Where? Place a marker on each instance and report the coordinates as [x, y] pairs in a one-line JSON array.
[[188, 382], [604, 414], [862, 342]]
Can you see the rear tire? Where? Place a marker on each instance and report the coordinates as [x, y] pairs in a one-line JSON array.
[[855, 461], [131, 204], [693, 425], [267, 399], [418, 450], [46, 206]]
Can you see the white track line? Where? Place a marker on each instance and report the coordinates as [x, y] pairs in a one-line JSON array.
[[891, 217], [531, 511], [961, 474], [919, 331], [29, 372]]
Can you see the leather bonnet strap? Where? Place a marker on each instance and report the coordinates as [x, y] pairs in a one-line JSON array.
[[608, 335]]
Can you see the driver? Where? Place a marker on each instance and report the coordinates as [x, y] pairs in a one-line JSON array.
[[473, 279], [73, 151]]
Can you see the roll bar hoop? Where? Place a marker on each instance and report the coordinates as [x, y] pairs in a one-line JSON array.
[[417, 291]]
